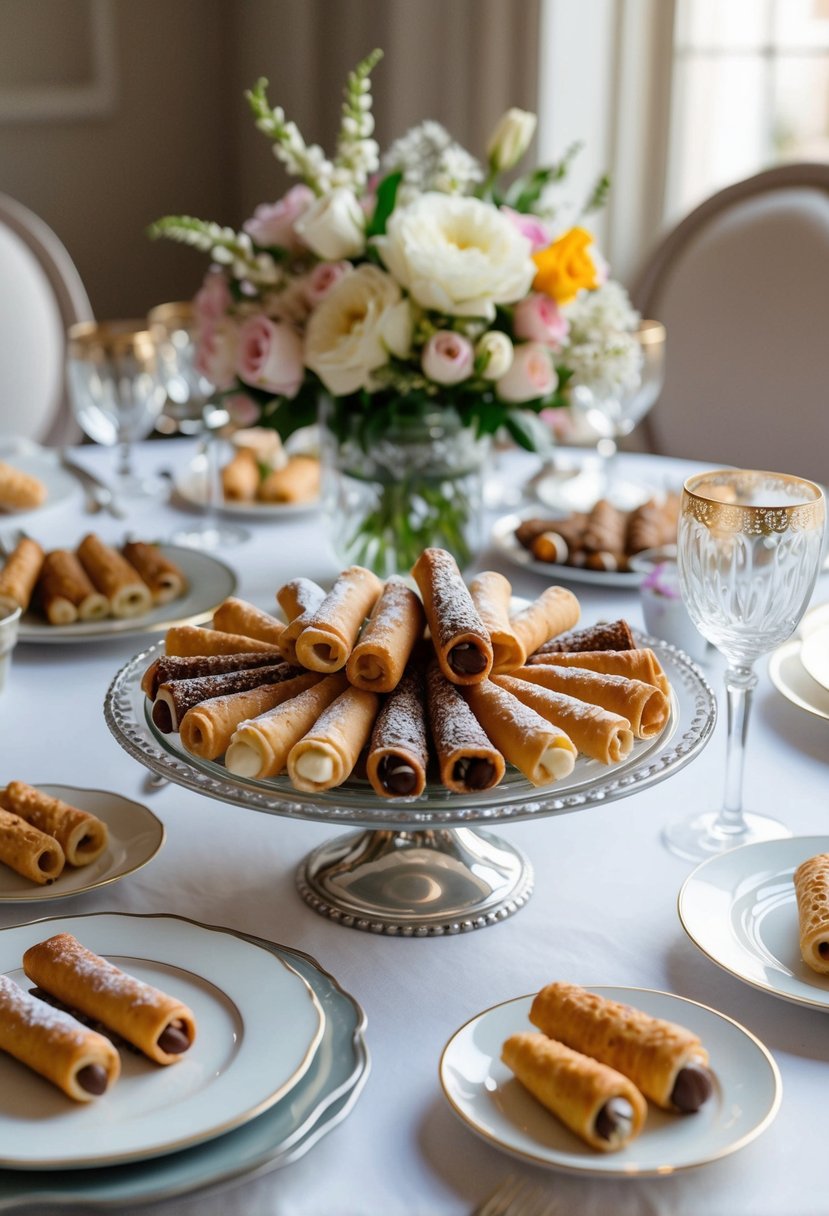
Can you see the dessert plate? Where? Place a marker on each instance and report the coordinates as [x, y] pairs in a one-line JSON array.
[[740, 909], [814, 655], [504, 542], [42, 463], [492, 1102], [191, 487], [135, 836], [259, 1025], [790, 677]]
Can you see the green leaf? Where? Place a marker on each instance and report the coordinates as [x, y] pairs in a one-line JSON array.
[[527, 429], [386, 197]]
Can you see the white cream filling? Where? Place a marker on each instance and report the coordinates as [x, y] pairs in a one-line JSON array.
[[243, 760], [557, 762], [315, 765]]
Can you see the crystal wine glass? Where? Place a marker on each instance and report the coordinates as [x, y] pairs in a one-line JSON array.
[[748, 548]]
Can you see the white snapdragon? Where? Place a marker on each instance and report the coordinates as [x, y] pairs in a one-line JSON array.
[[358, 155], [225, 246]]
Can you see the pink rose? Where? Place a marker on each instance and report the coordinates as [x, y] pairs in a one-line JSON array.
[[317, 284], [273, 223], [448, 357], [212, 301], [537, 318], [243, 411], [216, 354], [532, 374], [534, 229], [270, 356]]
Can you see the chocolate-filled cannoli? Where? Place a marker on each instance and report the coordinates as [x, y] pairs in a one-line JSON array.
[[598, 733], [615, 635], [329, 636], [163, 577], [240, 477], [467, 760], [645, 706], [65, 591], [115, 578], [186, 667], [491, 594], [398, 753], [541, 751], [260, 746], [188, 640], [238, 616], [604, 531], [206, 729], [325, 756], [157, 1024], [297, 481], [811, 885], [20, 491], [665, 1061], [299, 599], [28, 851], [396, 623], [81, 1062], [19, 575], [460, 638], [555, 610], [598, 1103], [82, 836], [176, 697], [638, 664]]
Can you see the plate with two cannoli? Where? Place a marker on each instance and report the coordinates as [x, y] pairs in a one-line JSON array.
[[258, 477], [611, 1081]]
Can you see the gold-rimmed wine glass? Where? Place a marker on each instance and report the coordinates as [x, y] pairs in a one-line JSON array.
[[749, 550]]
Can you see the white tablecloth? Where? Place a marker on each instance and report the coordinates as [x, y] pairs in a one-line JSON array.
[[603, 911]]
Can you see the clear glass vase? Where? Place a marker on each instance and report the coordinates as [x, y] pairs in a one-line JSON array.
[[419, 484]]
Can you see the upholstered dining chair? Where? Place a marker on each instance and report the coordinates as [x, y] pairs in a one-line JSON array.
[[41, 295], [742, 285]]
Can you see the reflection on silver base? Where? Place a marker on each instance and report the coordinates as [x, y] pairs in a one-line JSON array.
[[416, 884]]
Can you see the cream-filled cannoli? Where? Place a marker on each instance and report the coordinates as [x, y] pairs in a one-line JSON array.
[[163, 577], [185, 641], [644, 705], [467, 759], [19, 575], [260, 746], [81, 835], [115, 578], [555, 611], [207, 729], [614, 635], [157, 1024], [240, 477], [460, 638], [811, 885], [176, 697], [638, 664], [79, 1061], [299, 599], [20, 491], [28, 851], [329, 636], [396, 623], [187, 667], [297, 481], [238, 616], [398, 753], [541, 751], [491, 594], [325, 756], [602, 735], [65, 591], [600, 1105], [665, 1061]]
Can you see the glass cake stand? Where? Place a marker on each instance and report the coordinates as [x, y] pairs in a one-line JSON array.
[[421, 867]]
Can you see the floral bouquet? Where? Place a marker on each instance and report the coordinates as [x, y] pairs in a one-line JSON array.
[[424, 304]]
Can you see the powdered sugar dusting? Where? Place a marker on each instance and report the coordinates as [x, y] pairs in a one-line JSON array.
[[451, 611], [96, 974], [391, 614], [401, 723], [454, 726], [36, 1014]]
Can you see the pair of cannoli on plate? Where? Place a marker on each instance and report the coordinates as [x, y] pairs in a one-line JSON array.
[[248, 478], [40, 834]]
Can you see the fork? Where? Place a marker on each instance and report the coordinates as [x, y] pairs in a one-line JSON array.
[[515, 1197]]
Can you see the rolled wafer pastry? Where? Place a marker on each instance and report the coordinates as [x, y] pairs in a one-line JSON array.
[[491, 594], [66, 592], [20, 491], [82, 836], [645, 706], [238, 616], [555, 610], [28, 851], [467, 759], [615, 635], [206, 729], [398, 753], [638, 664], [299, 599], [599, 1104], [157, 1024], [541, 751], [396, 623], [329, 636], [19, 575], [602, 735], [163, 577], [189, 640], [297, 481], [259, 746], [240, 477], [176, 697], [604, 531], [81, 1062], [811, 885], [652, 524], [460, 638], [115, 578], [325, 756], [665, 1061], [186, 667]]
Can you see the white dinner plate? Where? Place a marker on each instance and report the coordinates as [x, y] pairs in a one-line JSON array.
[[740, 909], [209, 581], [814, 655], [259, 1024], [42, 463], [790, 677], [135, 836], [504, 542], [490, 1100], [191, 486]]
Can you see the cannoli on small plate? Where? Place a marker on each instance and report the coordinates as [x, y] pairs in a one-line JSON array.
[[81, 835]]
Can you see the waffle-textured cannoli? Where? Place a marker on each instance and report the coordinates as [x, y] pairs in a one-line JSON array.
[[20, 491], [297, 481], [599, 1104], [19, 575], [467, 760], [555, 610], [185, 641], [172, 667], [811, 885], [615, 635], [206, 729], [665, 1061], [491, 594], [460, 638], [541, 751], [240, 477], [176, 697], [163, 577], [325, 756], [81, 1062], [638, 664], [115, 578], [645, 706], [396, 623], [602, 735], [238, 616], [28, 851], [299, 599], [259, 746], [332, 630], [65, 591], [398, 753], [81, 835]]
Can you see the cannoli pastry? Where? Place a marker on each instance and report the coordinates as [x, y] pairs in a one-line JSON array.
[[298, 481], [329, 636], [81, 835], [541, 751], [398, 753], [396, 623], [265, 443], [811, 885], [666, 1062], [259, 746], [325, 756], [206, 729], [467, 759], [240, 477], [599, 1104], [638, 664], [79, 1061], [163, 577], [157, 1024], [187, 667], [238, 616], [555, 610], [66, 592], [28, 851], [299, 599], [20, 491], [604, 531], [19, 575], [115, 578], [615, 635], [176, 697], [460, 638], [652, 524], [602, 735], [189, 640], [645, 706], [491, 593]]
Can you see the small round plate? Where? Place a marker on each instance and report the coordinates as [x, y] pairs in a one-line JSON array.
[[135, 836], [191, 488], [814, 655], [492, 1102], [786, 670], [42, 463], [504, 542]]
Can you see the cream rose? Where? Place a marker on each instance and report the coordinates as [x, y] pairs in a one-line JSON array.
[[532, 374], [495, 351], [334, 225]]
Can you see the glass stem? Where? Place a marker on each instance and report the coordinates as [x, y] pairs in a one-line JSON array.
[[212, 486], [740, 683], [125, 470], [607, 450]]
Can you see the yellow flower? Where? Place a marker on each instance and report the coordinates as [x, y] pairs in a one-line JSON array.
[[566, 266]]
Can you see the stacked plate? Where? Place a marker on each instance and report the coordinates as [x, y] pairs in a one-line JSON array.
[[279, 1060], [800, 668]]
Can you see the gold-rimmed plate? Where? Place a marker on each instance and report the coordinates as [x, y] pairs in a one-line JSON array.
[[790, 677]]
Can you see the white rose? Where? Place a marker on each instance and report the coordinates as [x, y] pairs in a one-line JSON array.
[[510, 139], [497, 349], [334, 225], [457, 255]]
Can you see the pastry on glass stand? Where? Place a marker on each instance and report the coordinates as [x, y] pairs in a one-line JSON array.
[[603, 736], [207, 729], [398, 753], [461, 640]]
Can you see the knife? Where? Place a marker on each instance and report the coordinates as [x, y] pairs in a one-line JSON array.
[[98, 490]]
